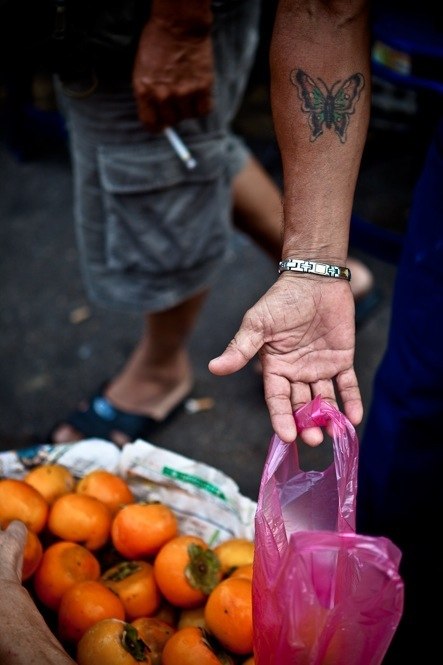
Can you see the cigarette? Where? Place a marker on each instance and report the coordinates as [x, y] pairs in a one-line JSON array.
[[194, 405], [180, 148]]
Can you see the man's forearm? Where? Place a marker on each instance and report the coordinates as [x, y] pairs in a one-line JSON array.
[[320, 92]]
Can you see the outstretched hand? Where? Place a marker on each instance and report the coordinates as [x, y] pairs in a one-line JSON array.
[[25, 637], [12, 544], [173, 75], [303, 330]]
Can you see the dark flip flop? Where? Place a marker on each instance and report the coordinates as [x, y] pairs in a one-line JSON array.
[[100, 418]]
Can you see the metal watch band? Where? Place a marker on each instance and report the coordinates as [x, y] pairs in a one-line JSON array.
[[315, 268]]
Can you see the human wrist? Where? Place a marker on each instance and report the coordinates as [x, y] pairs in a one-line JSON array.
[[317, 268]]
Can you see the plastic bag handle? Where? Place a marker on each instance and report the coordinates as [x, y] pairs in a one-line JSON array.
[[320, 413]]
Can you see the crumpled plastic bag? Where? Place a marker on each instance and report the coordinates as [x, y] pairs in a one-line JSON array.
[[322, 594]]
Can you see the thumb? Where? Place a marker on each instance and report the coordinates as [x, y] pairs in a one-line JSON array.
[[238, 353], [13, 548]]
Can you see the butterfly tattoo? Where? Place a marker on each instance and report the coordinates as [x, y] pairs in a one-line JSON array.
[[329, 107]]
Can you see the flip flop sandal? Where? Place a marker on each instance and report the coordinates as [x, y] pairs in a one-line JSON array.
[[100, 419]]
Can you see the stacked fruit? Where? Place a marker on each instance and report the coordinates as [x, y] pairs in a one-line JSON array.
[[119, 583]]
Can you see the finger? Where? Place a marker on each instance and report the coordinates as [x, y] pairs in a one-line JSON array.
[[18, 530], [301, 394], [277, 392], [170, 112], [195, 105], [238, 353], [15, 546], [326, 390], [347, 385], [149, 116]]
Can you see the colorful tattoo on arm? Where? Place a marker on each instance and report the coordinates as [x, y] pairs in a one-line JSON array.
[[329, 107]]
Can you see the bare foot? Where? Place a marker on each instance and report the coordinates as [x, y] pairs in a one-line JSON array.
[[147, 393]]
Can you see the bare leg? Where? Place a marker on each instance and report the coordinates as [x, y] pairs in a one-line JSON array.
[[158, 373], [258, 208]]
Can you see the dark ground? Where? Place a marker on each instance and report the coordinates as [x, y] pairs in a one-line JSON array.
[[55, 348]]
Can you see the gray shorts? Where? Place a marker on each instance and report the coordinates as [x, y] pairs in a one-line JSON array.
[[152, 233]]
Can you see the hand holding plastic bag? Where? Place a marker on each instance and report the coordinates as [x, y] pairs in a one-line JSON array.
[[322, 594]]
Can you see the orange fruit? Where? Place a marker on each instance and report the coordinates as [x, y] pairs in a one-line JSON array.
[[234, 552], [167, 613], [134, 583], [139, 530], [112, 642], [83, 605], [32, 555], [155, 633], [243, 571], [186, 571], [51, 480], [109, 487], [249, 661], [194, 646], [63, 564], [228, 614], [192, 617], [20, 501], [80, 518]]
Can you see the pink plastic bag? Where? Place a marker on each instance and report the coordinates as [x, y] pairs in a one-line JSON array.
[[322, 594]]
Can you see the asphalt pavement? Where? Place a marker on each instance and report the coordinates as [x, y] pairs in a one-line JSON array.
[[56, 348]]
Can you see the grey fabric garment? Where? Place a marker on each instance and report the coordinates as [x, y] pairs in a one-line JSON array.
[[152, 233]]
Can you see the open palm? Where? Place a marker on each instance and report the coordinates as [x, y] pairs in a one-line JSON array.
[[304, 333]]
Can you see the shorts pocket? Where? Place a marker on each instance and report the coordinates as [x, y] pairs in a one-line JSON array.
[[160, 216]]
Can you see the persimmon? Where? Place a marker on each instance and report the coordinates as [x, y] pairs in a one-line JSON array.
[[82, 605], [235, 552], [63, 564], [186, 571], [167, 612], [32, 555], [51, 480], [20, 501], [192, 617], [192, 646], [109, 487], [243, 571], [228, 614], [135, 585], [155, 633], [80, 518], [112, 642], [139, 529]]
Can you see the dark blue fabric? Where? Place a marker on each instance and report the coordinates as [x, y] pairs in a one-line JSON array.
[[400, 491]]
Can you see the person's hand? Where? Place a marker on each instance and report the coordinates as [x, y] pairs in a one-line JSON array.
[[304, 333], [25, 638], [12, 544], [173, 75]]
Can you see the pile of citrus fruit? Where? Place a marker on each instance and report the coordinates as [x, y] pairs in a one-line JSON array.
[[119, 583]]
